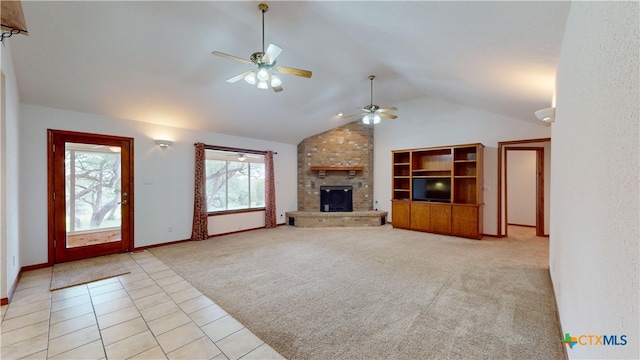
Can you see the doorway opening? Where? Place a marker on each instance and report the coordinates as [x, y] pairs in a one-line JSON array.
[[90, 195], [529, 172]]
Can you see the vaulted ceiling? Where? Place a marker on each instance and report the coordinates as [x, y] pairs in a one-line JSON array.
[[151, 61]]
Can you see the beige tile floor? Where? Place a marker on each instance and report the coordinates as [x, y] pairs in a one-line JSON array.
[[150, 313]]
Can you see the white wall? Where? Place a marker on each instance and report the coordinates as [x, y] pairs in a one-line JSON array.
[[429, 122], [166, 202], [595, 230], [9, 190], [521, 187]]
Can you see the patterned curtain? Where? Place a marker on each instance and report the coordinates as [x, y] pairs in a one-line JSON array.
[[199, 230], [270, 192]]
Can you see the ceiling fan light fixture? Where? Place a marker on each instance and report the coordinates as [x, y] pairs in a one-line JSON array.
[[367, 119], [376, 119], [263, 85], [263, 74], [250, 78], [275, 81]]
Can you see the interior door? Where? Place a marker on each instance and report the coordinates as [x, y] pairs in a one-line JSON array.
[[90, 195]]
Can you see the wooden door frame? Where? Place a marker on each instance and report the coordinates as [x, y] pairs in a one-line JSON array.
[[51, 228], [540, 214]]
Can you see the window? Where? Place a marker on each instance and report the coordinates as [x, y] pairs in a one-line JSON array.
[[235, 181], [92, 187]]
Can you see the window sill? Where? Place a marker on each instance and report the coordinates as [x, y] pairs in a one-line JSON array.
[[238, 211]]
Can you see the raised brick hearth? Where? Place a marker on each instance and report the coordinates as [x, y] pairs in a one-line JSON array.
[[333, 219]]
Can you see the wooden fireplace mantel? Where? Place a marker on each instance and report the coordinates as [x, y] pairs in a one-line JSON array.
[[323, 169]]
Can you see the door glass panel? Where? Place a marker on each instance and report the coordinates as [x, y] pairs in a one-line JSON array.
[[93, 194]]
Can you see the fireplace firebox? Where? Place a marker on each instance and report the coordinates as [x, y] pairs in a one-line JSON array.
[[336, 198]]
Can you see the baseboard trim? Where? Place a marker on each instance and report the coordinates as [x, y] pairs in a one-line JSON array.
[[529, 226], [35, 267], [7, 300], [555, 305], [239, 231], [142, 248], [491, 236]]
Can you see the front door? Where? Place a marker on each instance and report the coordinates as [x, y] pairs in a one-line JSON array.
[[90, 195]]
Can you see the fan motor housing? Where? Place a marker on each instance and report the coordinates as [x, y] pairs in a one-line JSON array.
[[257, 57]]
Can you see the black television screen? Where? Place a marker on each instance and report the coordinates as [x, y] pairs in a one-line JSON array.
[[437, 190]]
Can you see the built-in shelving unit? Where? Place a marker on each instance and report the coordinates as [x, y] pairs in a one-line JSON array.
[[439, 189], [401, 176]]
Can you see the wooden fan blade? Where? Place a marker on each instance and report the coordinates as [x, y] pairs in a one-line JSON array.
[[388, 109], [239, 59], [272, 53], [292, 71], [239, 77], [389, 116], [348, 116], [277, 88]]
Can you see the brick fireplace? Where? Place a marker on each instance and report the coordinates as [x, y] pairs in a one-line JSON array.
[[340, 157]]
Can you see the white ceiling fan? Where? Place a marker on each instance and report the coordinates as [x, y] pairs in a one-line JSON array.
[[371, 113], [265, 64]]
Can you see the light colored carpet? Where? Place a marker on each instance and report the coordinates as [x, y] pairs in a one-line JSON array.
[[79, 272], [374, 293]]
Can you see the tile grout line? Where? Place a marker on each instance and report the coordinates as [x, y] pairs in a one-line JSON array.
[[138, 310], [95, 316], [164, 291], [177, 304], [49, 318], [49, 330]]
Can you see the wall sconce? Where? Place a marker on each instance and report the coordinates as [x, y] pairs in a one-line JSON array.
[[164, 143], [547, 115]]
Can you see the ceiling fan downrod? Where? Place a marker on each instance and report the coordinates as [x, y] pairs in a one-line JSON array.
[[263, 8], [371, 77]]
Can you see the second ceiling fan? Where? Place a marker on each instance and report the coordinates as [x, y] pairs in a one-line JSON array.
[[372, 113], [264, 63]]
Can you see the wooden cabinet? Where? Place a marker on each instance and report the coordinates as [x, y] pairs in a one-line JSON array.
[[443, 188], [440, 216], [420, 216], [403, 209], [466, 221]]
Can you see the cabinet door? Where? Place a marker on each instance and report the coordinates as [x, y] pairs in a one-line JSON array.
[[465, 222], [420, 216], [440, 218], [401, 214]]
